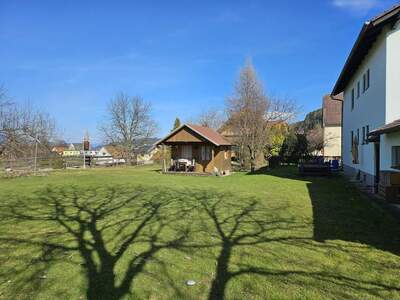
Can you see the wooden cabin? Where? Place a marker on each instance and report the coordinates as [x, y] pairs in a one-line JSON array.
[[198, 149]]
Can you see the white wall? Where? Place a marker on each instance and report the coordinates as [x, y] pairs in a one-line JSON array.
[[369, 109], [332, 141], [387, 141], [393, 75]]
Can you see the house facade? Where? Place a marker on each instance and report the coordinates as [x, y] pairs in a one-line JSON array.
[[370, 81], [198, 149], [332, 126]]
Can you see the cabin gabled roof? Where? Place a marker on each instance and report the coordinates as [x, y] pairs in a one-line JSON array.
[[367, 36], [207, 133]]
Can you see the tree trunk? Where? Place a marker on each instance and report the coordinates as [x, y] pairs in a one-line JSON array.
[[252, 160]]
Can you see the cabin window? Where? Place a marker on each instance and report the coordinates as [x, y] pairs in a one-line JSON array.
[[187, 151], [205, 153], [396, 157], [352, 99]]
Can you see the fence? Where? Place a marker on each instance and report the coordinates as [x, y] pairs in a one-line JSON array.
[[28, 165]]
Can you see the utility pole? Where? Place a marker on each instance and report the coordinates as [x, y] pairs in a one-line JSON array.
[[36, 148], [84, 154], [85, 147]]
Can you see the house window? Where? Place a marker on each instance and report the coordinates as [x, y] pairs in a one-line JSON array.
[[352, 140], [367, 130], [396, 157], [368, 80], [358, 136], [364, 83], [352, 99], [205, 153], [358, 90], [363, 135]]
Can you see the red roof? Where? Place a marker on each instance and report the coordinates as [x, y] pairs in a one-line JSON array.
[[207, 133]]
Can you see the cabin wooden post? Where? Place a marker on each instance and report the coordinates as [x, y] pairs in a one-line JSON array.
[[164, 162], [212, 158]]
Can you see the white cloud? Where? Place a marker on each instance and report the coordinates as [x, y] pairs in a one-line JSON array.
[[359, 6]]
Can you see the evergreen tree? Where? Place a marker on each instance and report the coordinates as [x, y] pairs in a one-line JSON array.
[[177, 124]]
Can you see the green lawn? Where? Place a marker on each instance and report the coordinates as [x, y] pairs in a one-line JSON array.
[[137, 234]]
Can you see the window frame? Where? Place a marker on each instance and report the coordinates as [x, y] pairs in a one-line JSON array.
[[206, 153], [395, 157], [358, 89], [368, 79], [364, 82], [363, 135], [358, 136], [352, 140], [352, 99]]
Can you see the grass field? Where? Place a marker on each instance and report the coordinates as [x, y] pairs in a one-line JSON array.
[[137, 234]]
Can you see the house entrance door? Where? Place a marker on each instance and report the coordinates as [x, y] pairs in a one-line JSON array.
[[377, 162]]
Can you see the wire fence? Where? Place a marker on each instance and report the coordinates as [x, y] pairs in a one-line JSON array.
[[41, 165]]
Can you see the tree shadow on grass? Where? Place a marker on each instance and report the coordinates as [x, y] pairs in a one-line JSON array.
[[341, 212], [240, 224], [114, 226], [101, 224]]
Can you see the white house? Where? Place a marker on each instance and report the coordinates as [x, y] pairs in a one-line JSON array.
[[332, 126], [370, 80]]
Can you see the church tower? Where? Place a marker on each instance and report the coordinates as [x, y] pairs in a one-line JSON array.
[[86, 143]]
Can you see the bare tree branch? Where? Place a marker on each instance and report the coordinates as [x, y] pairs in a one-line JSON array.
[[128, 123]]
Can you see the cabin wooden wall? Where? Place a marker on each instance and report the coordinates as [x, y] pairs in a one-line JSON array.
[[185, 136], [221, 160]]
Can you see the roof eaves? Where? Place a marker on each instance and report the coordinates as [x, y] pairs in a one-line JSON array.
[[337, 88], [206, 137], [169, 135], [374, 22]]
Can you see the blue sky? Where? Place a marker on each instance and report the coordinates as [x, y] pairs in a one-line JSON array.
[[70, 58]]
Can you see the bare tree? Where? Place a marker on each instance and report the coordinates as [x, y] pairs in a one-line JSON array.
[[21, 127], [315, 140], [212, 118], [252, 114], [128, 124]]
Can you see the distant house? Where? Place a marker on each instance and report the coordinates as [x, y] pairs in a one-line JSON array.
[[146, 153], [332, 126], [198, 149], [370, 80], [76, 149], [109, 154], [59, 149], [104, 152]]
